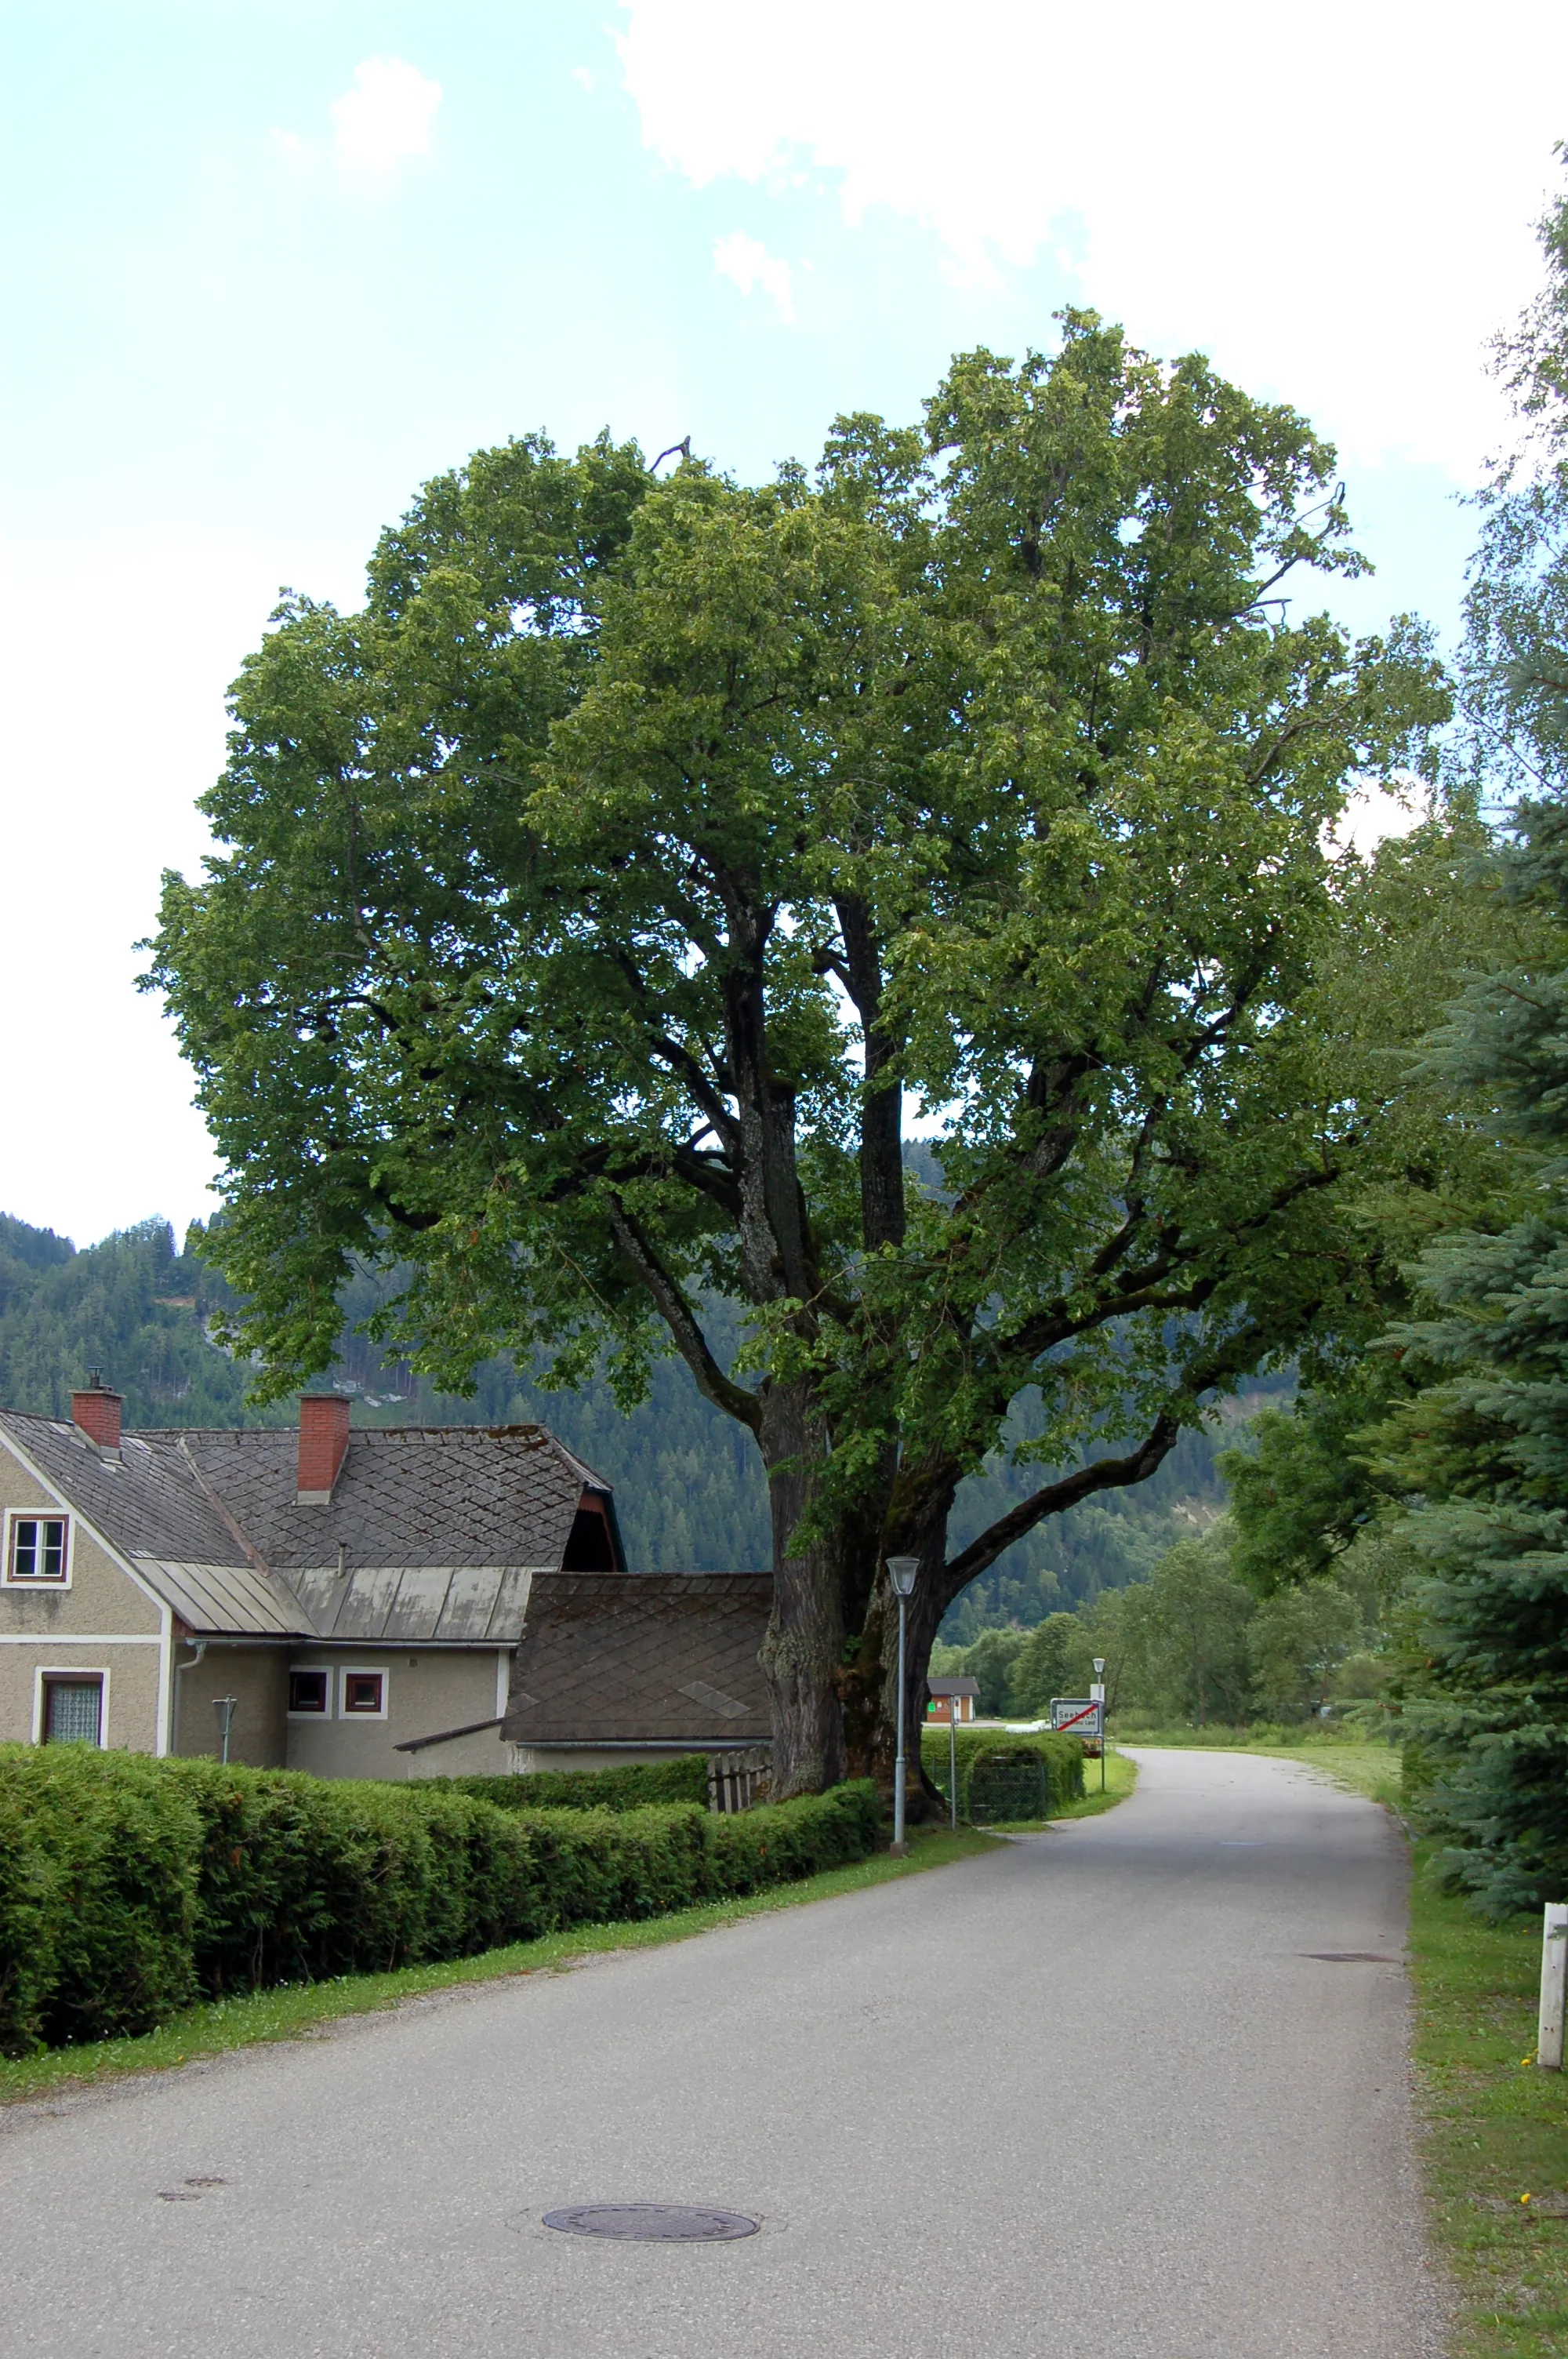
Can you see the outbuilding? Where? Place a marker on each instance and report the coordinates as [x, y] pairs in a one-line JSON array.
[[949, 1700]]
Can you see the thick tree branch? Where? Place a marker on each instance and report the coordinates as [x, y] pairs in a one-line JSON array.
[[1105, 1475], [881, 1115], [679, 1316]]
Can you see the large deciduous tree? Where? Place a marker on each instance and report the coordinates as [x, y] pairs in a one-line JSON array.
[[589, 906]]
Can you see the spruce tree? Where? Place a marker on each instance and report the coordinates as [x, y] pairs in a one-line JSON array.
[[1485, 1451]]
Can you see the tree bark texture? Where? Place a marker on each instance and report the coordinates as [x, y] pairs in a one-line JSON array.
[[804, 1641]]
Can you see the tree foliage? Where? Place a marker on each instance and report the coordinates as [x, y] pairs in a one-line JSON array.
[[586, 905], [1052, 1661], [1473, 1440]]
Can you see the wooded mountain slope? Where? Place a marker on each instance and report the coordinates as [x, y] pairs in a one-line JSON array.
[[690, 1488]]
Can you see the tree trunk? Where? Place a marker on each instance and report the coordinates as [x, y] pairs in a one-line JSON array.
[[869, 1687], [805, 1643]]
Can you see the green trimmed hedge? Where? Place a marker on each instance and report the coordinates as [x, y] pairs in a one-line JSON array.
[[682, 1780], [130, 1888], [1004, 1775]]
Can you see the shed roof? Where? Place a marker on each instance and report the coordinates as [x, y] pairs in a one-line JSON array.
[[952, 1686], [650, 1658]]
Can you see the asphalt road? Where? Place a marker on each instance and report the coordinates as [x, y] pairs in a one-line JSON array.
[[1091, 2095]]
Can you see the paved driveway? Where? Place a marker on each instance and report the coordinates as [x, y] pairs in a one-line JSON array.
[[1089, 2095]]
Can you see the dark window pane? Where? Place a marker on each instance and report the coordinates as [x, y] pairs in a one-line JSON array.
[[362, 1691], [307, 1691], [37, 1548]]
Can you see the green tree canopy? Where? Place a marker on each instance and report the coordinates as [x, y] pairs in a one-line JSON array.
[[587, 904], [1296, 1643], [1053, 1660]]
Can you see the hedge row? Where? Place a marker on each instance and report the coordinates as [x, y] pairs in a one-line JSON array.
[[1004, 1775], [682, 1780], [130, 1888]]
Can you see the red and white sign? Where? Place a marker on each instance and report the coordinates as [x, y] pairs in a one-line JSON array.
[[1078, 1716]]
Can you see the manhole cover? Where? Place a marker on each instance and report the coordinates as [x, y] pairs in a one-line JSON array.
[[655, 2224]]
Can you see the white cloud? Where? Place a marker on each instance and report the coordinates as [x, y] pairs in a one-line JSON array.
[[386, 116], [1338, 207], [749, 264]]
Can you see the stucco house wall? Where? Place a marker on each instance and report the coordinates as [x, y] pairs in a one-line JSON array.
[[258, 1679], [426, 1693], [100, 1621]]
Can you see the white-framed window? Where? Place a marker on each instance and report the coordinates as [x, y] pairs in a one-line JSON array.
[[362, 1691], [38, 1550], [71, 1706], [309, 1691]]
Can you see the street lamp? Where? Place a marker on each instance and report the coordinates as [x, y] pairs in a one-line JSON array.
[[902, 1570], [1098, 1693]]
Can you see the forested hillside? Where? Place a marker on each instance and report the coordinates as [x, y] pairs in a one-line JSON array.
[[688, 1485]]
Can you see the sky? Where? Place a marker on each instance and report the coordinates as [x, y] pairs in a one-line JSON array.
[[272, 264]]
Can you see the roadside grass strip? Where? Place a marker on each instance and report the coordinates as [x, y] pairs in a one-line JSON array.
[[302, 2010], [1120, 1776], [1370, 1769], [1495, 2128]]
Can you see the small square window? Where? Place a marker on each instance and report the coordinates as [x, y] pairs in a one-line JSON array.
[[73, 1711], [308, 1691], [365, 1695], [37, 1553]]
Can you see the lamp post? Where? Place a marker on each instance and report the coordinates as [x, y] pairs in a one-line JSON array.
[[1097, 1691], [952, 1762], [902, 1570]]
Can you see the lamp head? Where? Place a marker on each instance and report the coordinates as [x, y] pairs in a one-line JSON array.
[[902, 1570], [1099, 1666]]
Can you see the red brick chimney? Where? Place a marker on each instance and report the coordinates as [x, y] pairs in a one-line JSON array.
[[97, 1412], [323, 1437]]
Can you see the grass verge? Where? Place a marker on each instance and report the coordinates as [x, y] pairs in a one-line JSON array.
[[296, 2009], [1120, 1776], [1495, 2128]]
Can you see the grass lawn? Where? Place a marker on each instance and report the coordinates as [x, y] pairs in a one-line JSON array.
[[296, 2009]]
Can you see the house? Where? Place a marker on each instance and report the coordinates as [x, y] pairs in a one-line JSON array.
[[950, 1700], [345, 1602]]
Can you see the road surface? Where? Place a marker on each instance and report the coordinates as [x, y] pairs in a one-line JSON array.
[[1092, 2094]]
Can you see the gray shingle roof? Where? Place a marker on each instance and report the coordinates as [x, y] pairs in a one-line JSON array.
[[657, 1657], [431, 1534], [147, 1503], [454, 1494]]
